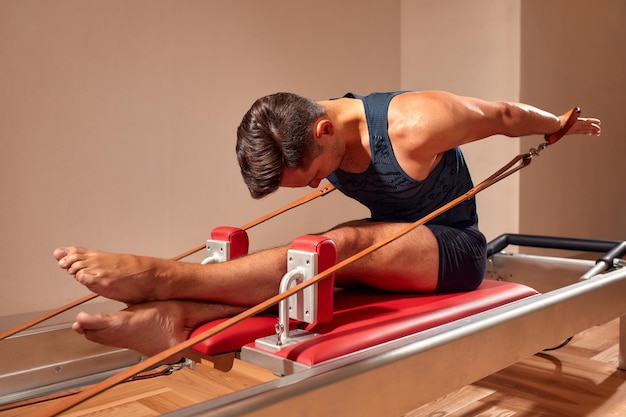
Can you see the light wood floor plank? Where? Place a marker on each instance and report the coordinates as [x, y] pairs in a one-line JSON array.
[[578, 380]]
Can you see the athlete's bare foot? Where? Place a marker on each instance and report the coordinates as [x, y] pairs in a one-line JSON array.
[[150, 328], [127, 278]]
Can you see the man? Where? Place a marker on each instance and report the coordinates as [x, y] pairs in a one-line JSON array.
[[397, 153]]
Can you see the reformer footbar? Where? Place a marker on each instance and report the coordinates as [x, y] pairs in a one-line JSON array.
[[296, 203], [513, 166]]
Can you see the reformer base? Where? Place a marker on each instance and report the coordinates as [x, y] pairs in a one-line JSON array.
[[47, 360]]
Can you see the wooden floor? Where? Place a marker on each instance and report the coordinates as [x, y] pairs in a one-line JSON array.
[[578, 380], [160, 395]]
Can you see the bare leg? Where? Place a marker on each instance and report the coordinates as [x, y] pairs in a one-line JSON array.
[[152, 327], [408, 264], [136, 279]]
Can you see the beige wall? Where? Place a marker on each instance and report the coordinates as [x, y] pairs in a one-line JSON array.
[[118, 118], [470, 48], [573, 54], [118, 121], [556, 55]]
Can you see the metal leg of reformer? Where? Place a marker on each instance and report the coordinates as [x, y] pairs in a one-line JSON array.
[[622, 343]]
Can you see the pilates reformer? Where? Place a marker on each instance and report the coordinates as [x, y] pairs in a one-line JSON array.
[[490, 340], [579, 294], [460, 334]]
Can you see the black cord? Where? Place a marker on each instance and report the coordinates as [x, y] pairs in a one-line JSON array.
[[559, 346]]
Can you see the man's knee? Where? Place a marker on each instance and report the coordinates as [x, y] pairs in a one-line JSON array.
[[349, 237]]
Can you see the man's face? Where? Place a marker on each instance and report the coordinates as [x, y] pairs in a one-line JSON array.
[[312, 175]]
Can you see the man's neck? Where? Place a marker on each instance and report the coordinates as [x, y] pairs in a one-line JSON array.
[[348, 118]]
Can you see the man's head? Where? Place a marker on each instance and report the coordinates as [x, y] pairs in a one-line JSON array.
[[276, 133]]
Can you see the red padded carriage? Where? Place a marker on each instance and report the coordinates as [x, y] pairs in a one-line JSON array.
[[362, 318]]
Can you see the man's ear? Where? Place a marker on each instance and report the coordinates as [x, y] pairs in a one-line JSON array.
[[324, 127]]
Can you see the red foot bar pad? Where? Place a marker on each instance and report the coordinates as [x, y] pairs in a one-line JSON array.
[[327, 257], [237, 237]]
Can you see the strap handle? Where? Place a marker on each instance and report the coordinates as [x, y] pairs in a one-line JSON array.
[[572, 117]]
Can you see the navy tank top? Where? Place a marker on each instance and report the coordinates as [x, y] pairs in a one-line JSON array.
[[391, 194]]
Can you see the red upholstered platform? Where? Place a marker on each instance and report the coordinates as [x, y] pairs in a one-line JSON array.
[[365, 318]]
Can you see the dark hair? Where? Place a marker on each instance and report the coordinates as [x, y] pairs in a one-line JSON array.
[[276, 132]]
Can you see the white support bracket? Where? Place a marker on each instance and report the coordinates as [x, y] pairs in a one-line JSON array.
[[216, 251], [302, 306]]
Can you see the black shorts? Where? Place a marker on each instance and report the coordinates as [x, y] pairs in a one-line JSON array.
[[462, 258]]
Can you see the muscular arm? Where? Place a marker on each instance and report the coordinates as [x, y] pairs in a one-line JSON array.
[[425, 124]]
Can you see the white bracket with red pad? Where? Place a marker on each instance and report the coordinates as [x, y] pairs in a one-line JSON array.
[[226, 243], [310, 255]]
